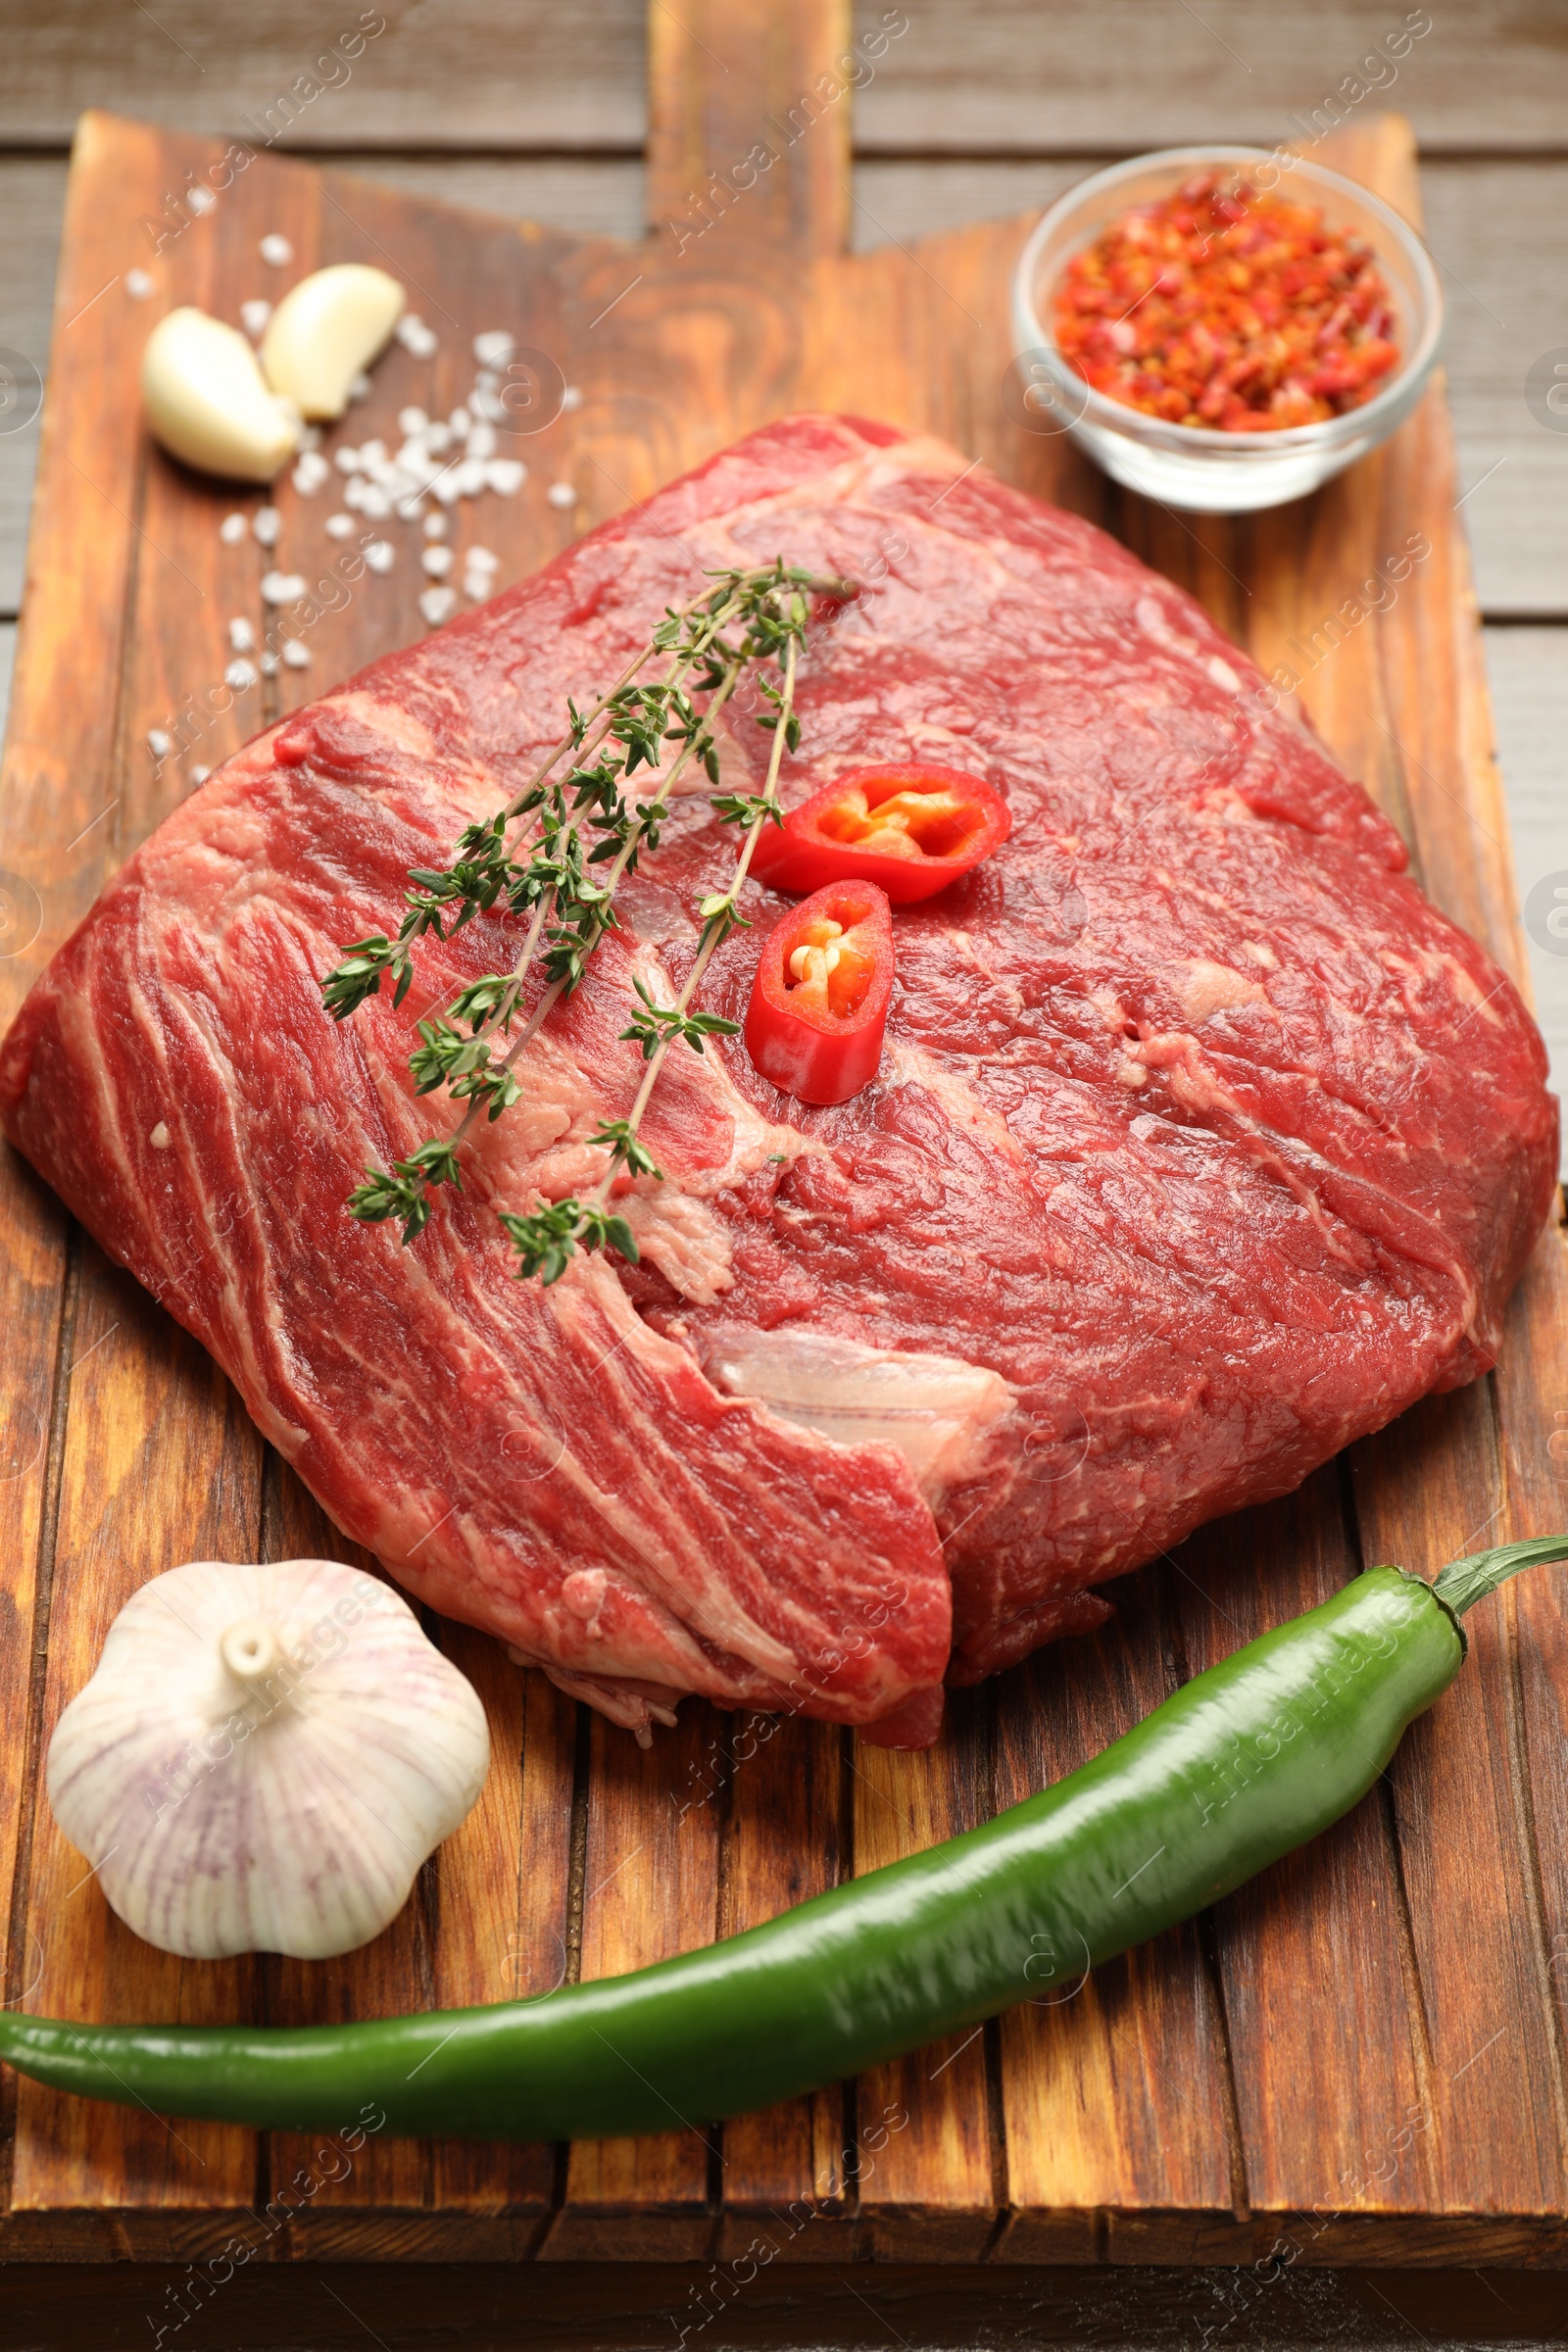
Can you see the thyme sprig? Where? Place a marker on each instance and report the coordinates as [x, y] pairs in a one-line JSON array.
[[546, 1244], [582, 829]]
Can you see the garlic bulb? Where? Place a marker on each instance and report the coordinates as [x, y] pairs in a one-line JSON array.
[[264, 1758], [325, 331], [208, 402]]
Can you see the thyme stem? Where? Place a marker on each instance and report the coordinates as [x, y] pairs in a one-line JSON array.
[[715, 929], [558, 988]]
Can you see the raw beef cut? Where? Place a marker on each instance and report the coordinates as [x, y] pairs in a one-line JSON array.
[[1202, 1142]]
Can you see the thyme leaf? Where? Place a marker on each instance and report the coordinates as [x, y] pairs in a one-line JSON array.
[[545, 1240], [402, 1191], [656, 1022], [746, 808]]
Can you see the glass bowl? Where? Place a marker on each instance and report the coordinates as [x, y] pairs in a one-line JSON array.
[[1197, 467]]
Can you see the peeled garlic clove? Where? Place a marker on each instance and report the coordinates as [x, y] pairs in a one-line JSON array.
[[207, 400], [264, 1758], [325, 331]]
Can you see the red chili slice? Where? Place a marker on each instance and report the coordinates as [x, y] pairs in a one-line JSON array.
[[908, 828], [819, 1001]]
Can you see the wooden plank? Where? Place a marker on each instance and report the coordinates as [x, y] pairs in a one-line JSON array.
[[65, 765], [1424, 1492], [1008, 75], [779, 1781], [650, 1889], [1336, 2123], [502, 1886], [1015, 77], [32, 195], [930, 2145], [1429, 1488], [1532, 1391], [130, 1508], [1116, 2084], [584, 195], [1529, 672], [712, 98], [558, 80], [372, 1981], [125, 1509]]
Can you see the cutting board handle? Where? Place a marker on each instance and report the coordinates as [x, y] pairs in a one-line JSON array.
[[749, 122]]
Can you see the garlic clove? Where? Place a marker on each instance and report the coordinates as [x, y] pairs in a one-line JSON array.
[[326, 331], [208, 402], [265, 1757]]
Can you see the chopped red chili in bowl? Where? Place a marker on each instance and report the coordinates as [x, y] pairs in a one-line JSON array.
[[909, 827], [819, 1001], [1223, 308]]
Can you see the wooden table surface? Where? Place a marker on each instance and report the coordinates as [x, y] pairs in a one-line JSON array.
[[971, 113]]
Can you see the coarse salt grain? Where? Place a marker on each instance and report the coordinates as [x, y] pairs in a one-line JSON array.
[[481, 441], [380, 554], [435, 526], [296, 656], [373, 502], [311, 472], [571, 398], [409, 509], [412, 421], [269, 663], [494, 348], [159, 744], [282, 587], [436, 603], [277, 251], [339, 526], [233, 528], [459, 421], [346, 459], [562, 495], [438, 562], [414, 336], [372, 455], [240, 675], [199, 200], [482, 558], [505, 476], [159, 1138], [199, 775], [241, 636], [138, 284], [268, 527], [253, 317]]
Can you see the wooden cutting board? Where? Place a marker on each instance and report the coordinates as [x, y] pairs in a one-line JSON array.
[[1360, 2055]]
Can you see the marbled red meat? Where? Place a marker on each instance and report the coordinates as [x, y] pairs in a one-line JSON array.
[[1203, 1142]]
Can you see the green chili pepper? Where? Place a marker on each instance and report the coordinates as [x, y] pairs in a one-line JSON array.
[[1243, 1764]]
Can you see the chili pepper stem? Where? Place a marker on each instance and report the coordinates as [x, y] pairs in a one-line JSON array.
[[1462, 1582]]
